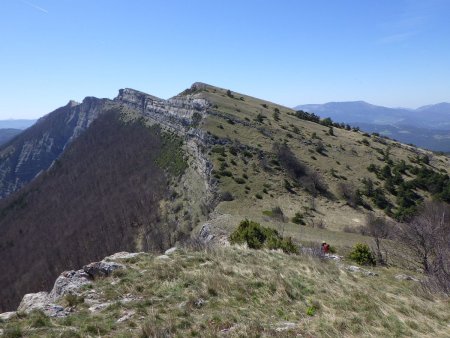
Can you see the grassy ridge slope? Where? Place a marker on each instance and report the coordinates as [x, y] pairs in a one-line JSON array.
[[241, 292], [245, 130]]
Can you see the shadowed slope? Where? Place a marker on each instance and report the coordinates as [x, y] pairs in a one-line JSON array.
[[101, 197]]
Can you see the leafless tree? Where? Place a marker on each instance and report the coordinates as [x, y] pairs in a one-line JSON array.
[[349, 193], [379, 229], [428, 236]]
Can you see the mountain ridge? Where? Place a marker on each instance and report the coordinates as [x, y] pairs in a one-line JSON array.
[[218, 156]]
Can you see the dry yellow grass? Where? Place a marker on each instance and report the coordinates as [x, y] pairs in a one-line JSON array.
[[239, 292], [346, 159]]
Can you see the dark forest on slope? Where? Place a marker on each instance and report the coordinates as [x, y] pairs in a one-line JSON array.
[[98, 198]]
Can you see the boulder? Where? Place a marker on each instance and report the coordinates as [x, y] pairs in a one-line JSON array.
[[33, 301], [205, 234], [102, 268], [123, 255], [69, 282]]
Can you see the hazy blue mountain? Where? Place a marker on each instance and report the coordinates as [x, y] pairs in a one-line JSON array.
[[16, 124], [357, 111], [435, 116], [434, 139], [427, 126]]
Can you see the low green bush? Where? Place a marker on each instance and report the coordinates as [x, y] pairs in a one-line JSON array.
[[259, 237], [298, 218], [362, 254]]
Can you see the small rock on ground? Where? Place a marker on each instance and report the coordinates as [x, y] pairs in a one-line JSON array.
[[170, 251], [126, 316], [406, 277], [8, 315], [123, 255], [285, 326]]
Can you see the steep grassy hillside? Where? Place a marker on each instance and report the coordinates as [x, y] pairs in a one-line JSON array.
[[238, 292], [248, 134], [111, 190]]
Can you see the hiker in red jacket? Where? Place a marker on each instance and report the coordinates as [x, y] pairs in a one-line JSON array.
[[325, 247]]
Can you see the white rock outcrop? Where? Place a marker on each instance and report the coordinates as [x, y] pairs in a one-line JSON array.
[[71, 282]]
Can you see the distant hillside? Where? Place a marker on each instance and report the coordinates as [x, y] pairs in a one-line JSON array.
[[358, 111], [436, 140], [427, 126], [8, 134], [16, 124]]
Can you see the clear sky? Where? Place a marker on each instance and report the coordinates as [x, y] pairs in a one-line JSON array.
[[386, 52]]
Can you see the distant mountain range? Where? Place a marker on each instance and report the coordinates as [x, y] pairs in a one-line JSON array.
[[16, 124], [427, 126], [11, 128]]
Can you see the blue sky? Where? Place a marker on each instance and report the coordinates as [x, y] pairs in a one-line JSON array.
[[387, 52]]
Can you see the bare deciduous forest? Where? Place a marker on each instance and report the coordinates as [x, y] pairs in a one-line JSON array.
[[98, 198]]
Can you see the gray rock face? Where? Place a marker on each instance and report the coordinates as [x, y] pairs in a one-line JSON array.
[[33, 301], [35, 149], [102, 269], [122, 255], [205, 234], [180, 114], [72, 282], [69, 282], [8, 315]]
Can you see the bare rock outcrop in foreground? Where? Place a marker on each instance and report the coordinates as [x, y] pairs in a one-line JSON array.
[[70, 282]]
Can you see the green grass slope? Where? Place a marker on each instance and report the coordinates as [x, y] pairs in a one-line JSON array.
[[238, 292], [245, 131]]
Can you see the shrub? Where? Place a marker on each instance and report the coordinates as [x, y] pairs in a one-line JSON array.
[[298, 218], [226, 196], [13, 331], [311, 311], [350, 194], [320, 148], [275, 213], [362, 254], [259, 196], [276, 115], [260, 118], [73, 300], [239, 180], [39, 319], [289, 162], [258, 237]]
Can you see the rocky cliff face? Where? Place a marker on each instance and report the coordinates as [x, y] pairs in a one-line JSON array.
[[182, 115], [35, 149], [108, 176]]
